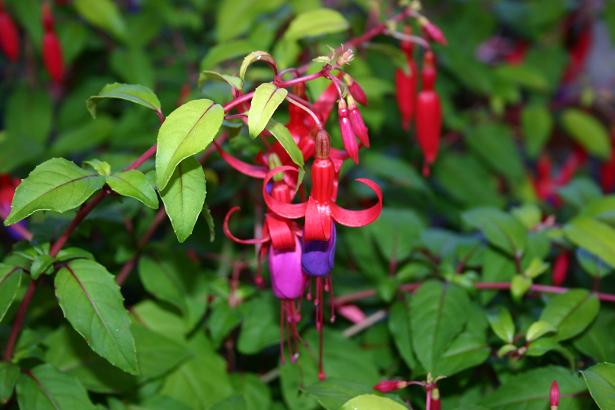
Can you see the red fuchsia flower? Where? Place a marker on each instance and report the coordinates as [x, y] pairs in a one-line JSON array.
[[355, 90], [356, 120], [388, 386], [7, 189], [52, 50], [554, 395], [560, 268], [319, 213], [9, 37], [405, 85], [428, 113], [432, 32]]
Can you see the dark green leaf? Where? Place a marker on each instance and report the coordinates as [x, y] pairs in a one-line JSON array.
[[399, 326], [596, 237], [501, 229], [9, 373], [282, 135], [600, 380], [571, 312], [161, 280], [103, 14], [259, 328], [596, 341], [91, 301], [10, 281], [537, 125]]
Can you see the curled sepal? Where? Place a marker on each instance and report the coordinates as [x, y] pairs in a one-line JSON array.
[[254, 171], [280, 232], [229, 234], [285, 210], [363, 217], [287, 281], [317, 224]]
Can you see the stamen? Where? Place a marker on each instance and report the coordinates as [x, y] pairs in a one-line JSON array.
[[282, 335]]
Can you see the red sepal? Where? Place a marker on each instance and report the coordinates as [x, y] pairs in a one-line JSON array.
[[9, 37], [229, 234], [280, 232], [285, 210], [254, 171], [359, 218], [317, 225]]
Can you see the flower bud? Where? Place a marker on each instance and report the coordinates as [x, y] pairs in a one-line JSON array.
[[358, 125], [348, 137], [52, 56], [432, 32], [355, 90], [554, 395], [388, 386], [9, 37]]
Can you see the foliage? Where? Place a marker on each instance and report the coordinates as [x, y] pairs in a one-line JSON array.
[[486, 276]]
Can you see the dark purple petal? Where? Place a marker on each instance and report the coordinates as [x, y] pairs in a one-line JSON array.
[[319, 256]]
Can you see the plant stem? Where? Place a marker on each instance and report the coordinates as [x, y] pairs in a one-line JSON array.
[[19, 321]]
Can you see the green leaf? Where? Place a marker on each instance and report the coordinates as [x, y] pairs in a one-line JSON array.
[[333, 393], [399, 326], [83, 136], [102, 167], [55, 185], [259, 328], [602, 208], [157, 353], [44, 388], [501, 229], [502, 324], [161, 280], [587, 131], [9, 373], [267, 98], [91, 301], [536, 123], [253, 57], [580, 191], [438, 316], [134, 184], [466, 351], [234, 82], [519, 285], [396, 232], [542, 346], [134, 93], [530, 390], [315, 23], [539, 329], [184, 197], [10, 281], [103, 14], [594, 236], [282, 135], [524, 75], [370, 402], [600, 380], [571, 312], [494, 144], [226, 51], [596, 341], [187, 131]]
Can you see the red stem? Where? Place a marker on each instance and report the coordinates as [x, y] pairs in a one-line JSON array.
[[19, 320], [236, 101]]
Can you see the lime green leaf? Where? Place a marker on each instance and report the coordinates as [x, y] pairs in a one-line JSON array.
[[438, 316], [187, 131], [587, 131], [539, 329], [536, 124], [502, 324], [135, 93], [134, 184], [102, 167], [370, 402], [253, 57], [103, 14], [91, 301], [55, 185], [333, 393], [231, 80], [10, 281], [501, 229], [530, 390], [571, 312], [282, 135], [267, 98], [44, 387], [601, 208], [9, 373], [184, 197], [600, 380], [596, 237], [316, 22], [161, 280], [519, 285], [507, 348]]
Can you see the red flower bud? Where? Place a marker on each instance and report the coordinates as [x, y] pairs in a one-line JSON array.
[[387, 386], [432, 32], [355, 90], [358, 125], [52, 56], [9, 38], [554, 395], [428, 114], [47, 17], [348, 137], [560, 268], [405, 92]]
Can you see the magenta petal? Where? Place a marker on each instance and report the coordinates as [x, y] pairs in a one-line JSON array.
[[287, 279]]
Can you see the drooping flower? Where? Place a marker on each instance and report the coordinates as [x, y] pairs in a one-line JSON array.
[[428, 114], [355, 90], [560, 268], [348, 137], [358, 125]]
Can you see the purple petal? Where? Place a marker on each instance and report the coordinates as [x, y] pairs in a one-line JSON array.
[[319, 256]]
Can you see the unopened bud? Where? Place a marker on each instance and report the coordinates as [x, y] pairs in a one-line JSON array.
[[554, 395], [387, 386]]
